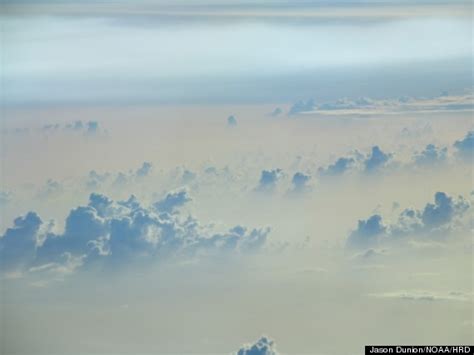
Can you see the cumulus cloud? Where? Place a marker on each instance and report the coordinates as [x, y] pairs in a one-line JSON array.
[[438, 218], [231, 121], [367, 232], [107, 232], [430, 156], [18, 244], [302, 106], [92, 127], [263, 346], [376, 160], [345, 104], [465, 146], [95, 180], [269, 179], [172, 201], [144, 170], [51, 188], [188, 176], [339, 167], [300, 183], [373, 162]]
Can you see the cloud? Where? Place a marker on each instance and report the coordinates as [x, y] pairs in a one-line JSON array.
[[269, 179], [92, 127], [276, 112], [341, 165], [51, 188], [365, 106], [188, 176], [231, 121], [435, 219], [346, 104], [263, 346], [425, 296], [430, 156], [105, 232], [299, 182], [95, 180], [5, 197], [172, 201], [302, 106], [443, 210], [18, 244], [465, 146], [376, 160], [144, 170], [373, 162], [367, 232]]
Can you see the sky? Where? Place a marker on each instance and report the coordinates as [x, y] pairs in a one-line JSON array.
[[161, 52], [244, 177]]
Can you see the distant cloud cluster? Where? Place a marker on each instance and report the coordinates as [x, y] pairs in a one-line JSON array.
[[373, 162], [89, 127], [435, 219], [377, 160], [85, 127], [368, 106], [51, 188], [302, 106], [425, 296], [105, 232], [431, 155], [96, 180], [339, 167], [263, 346]]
